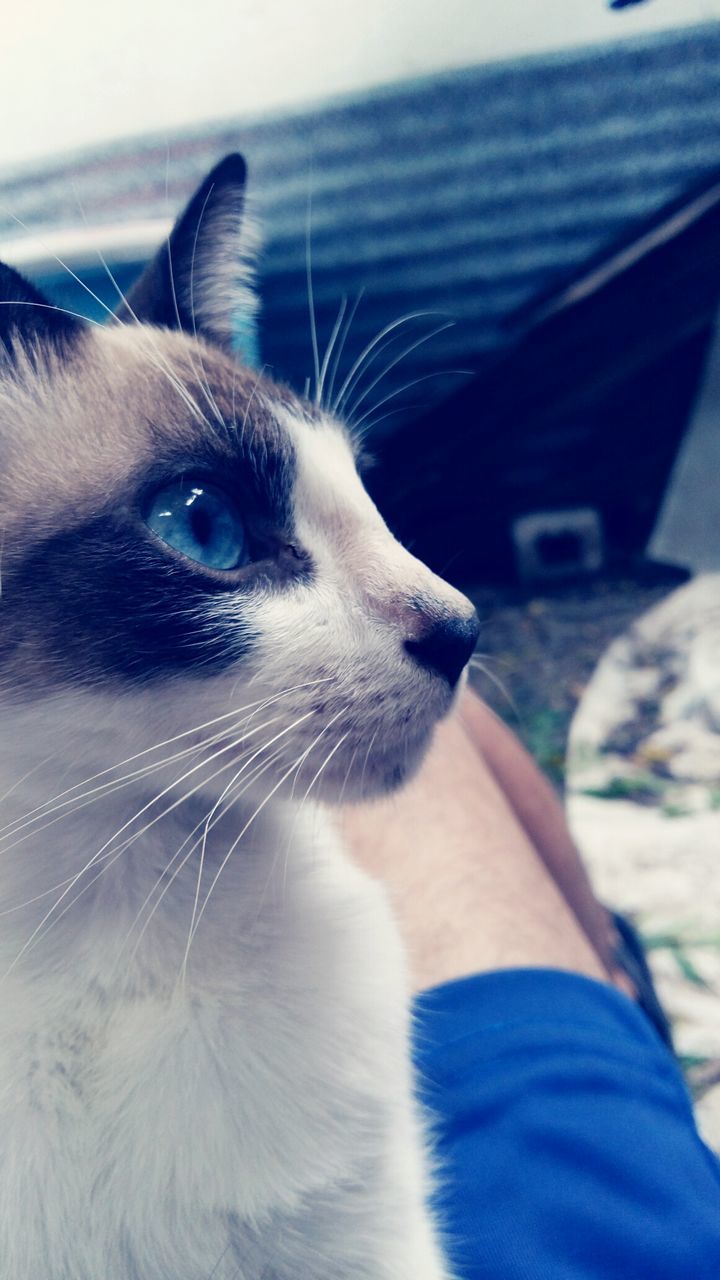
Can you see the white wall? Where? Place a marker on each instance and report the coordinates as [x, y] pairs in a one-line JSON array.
[[74, 72]]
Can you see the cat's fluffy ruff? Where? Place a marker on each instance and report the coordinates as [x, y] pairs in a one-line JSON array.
[[249, 1113], [261, 1116]]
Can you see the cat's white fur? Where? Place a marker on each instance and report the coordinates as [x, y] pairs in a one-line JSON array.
[[255, 1121]]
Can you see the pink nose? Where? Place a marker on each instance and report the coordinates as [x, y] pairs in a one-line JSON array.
[[446, 646]]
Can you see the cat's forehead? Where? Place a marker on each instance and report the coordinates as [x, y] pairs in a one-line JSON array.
[[129, 399]]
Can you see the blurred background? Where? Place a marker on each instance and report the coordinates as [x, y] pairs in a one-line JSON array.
[[510, 217], [80, 73]]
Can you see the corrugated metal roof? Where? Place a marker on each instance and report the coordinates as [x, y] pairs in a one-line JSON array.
[[466, 193]]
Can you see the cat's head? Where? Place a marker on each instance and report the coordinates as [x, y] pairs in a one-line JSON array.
[[185, 542]]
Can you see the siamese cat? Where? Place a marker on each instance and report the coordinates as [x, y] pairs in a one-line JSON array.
[[208, 638]]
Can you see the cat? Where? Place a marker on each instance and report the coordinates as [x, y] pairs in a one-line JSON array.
[[209, 638]]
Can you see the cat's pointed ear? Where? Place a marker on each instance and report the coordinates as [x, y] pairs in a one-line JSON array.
[[28, 320], [200, 280]]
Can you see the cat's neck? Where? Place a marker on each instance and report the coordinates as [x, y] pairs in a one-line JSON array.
[[126, 892]]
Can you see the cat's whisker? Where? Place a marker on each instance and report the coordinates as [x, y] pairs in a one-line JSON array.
[[477, 664], [74, 803], [204, 383], [388, 344], [426, 337], [160, 363], [304, 800], [232, 746], [110, 858], [50, 306], [360, 436], [158, 360], [35, 769], [311, 295], [251, 397], [437, 373], [324, 765], [329, 349], [346, 779], [366, 761], [229, 746], [108, 310], [103, 306], [67, 810], [296, 765], [112, 854], [282, 734], [341, 347], [221, 1259], [253, 708], [293, 826], [251, 778], [130, 821], [312, 782], [176, 308], [233, 410], [367, 351]]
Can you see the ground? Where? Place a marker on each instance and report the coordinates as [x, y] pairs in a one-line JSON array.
[[540, 648]]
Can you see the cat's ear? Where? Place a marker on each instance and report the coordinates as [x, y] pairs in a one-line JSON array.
[[28, 320], [200, 280]]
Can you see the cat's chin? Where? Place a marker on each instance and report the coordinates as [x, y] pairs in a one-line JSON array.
[[360, 780]]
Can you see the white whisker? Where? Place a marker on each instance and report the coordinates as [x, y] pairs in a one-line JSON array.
[[254, 707], [110, 841], [109, 859], [438, 373], [341, 347], [103, 306], [295, 765], [329, 349], [426, 337], [251, 397], [191, 930], [357, 366], [204, 384], [50, 306], [310, 294], [476, 664], [252, 777]]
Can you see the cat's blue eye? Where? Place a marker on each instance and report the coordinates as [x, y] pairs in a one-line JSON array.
[[199, 522]]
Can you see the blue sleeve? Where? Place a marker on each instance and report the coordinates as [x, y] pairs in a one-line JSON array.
[[566, 1141]]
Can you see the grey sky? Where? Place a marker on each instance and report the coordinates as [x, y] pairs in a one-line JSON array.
[[86, 70]]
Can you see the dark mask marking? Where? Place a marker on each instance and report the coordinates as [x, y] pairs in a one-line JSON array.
[[105, 599]]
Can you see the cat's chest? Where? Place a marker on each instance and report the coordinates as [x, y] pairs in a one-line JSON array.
[[241, 1103], [213, 1107]]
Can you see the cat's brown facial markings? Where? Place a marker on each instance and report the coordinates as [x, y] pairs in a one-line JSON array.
[[87, 593], [320, 611], [77, 429]]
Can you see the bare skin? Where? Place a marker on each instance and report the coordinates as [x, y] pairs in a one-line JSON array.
[[476, 854]]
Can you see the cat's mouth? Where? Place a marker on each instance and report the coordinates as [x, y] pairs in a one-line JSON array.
[[371, 773], [352, 761], [332, 755]]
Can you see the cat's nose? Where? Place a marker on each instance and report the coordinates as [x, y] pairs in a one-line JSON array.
[[446, 646]]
